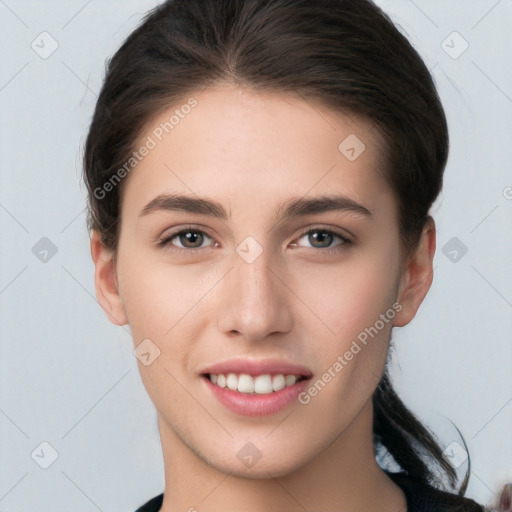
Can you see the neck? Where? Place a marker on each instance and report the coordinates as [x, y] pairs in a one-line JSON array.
[[343, 477]]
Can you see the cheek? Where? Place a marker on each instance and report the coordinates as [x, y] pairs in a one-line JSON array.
[[349, 297], [351, 354], [159, 298]]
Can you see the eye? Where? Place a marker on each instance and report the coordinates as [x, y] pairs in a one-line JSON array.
[[190, 238], [321, 238], [187, 238]]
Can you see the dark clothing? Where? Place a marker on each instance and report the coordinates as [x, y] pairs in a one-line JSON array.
[[420, 498], [153, 505]]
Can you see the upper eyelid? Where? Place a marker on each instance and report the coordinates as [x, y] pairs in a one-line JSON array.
[[333, 231], [185, 229]]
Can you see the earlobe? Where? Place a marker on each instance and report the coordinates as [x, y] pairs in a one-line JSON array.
[[417, 275], [105, 281]]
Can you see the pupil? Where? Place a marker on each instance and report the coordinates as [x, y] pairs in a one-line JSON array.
[[320, 234], [191, 235]]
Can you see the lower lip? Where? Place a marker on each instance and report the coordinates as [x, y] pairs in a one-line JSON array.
[[256, 404]]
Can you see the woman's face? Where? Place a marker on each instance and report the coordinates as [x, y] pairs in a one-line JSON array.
[[264, 281]]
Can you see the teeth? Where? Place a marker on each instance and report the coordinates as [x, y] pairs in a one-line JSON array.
[[279, 381], [245, 383], [232, 381], [289, 380], [261, 384]]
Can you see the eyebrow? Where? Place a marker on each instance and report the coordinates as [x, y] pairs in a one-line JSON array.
[[296, 207]]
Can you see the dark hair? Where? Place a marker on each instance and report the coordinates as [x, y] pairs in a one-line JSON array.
[[346, 54]]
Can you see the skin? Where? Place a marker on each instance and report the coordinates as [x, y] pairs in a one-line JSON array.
[[251, 152]]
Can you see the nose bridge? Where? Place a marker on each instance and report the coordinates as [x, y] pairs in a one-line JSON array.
[[254, 302], [255, 277]]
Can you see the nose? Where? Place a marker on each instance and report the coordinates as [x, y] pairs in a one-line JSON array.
[[255, 299]]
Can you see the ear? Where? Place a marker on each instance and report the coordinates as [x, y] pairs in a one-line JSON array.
[[417, 275], [105, 281]]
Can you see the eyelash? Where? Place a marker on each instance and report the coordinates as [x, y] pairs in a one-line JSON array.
[[165, 242]]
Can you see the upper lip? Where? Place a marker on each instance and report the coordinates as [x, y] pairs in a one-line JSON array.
[[257, 367]]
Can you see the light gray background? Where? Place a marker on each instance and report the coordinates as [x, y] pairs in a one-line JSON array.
[[69, 377]]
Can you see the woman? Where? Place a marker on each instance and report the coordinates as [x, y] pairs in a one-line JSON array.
[[260, 175]]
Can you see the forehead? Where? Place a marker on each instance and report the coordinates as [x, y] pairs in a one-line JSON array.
[[254, 149]]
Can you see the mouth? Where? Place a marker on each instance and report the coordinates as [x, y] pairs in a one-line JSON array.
[[251, 387], [263, 384]]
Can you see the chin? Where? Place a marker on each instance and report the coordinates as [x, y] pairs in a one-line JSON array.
[[252, 463], [261, 470]]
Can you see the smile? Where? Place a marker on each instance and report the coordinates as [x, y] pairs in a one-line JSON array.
[[258, 384]]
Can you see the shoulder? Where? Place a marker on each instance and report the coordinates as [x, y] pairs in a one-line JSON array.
[[422, 497], [153, 505]]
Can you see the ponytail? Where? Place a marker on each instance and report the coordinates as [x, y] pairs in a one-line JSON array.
[[399, 431], [505, 499]]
